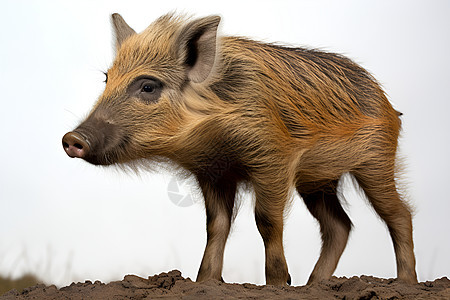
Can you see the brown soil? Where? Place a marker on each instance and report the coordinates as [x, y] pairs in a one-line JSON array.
[[173, 286]]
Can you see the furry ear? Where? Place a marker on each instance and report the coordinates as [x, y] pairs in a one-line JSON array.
[[121, 29], [197, 47]]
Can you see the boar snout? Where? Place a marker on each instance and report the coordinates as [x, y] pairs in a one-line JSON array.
[[97, 140], [75, 145]]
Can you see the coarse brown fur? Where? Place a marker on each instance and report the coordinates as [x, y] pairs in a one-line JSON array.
[[232, 110]]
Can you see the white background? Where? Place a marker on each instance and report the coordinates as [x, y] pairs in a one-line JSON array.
[[66, 220]]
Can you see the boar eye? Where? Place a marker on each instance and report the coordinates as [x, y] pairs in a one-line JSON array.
[[148, 89]]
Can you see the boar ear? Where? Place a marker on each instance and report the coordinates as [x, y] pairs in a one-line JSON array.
[[197, 47], [121, 29]]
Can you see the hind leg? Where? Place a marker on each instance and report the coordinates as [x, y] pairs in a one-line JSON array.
[[269, 216], [378, 183], [335, 227]]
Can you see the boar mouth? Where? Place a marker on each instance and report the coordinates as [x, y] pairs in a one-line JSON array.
[[108, 152]]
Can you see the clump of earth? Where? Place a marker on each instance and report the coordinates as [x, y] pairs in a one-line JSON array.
[[172, 285]]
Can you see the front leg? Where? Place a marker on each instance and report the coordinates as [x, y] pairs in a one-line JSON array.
[[219, 202]]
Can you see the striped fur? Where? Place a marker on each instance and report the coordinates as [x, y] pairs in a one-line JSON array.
[[232, 110]]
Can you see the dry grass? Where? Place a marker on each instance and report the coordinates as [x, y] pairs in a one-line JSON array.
[[27, 280]]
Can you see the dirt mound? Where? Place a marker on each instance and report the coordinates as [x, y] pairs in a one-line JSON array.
[[173, 286]]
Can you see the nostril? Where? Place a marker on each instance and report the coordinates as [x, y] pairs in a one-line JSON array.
[[75, 145]]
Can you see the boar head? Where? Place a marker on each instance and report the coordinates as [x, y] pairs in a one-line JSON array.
[[143, 109]]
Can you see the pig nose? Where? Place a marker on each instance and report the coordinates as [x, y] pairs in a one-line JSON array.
[[75, 145]]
